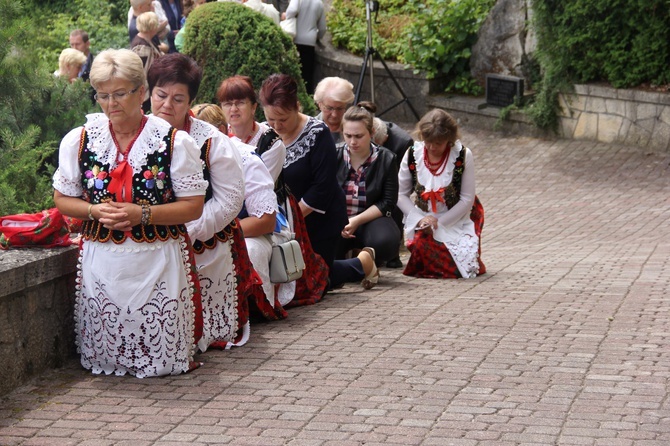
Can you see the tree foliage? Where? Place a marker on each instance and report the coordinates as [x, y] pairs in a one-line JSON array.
[[623, 42], [36, 110], [431, 36], [227, 39]]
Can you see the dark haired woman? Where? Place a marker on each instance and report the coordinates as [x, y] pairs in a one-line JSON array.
[[444, 222], [239, 102], [368, 176], [225, 271], [310, 173]]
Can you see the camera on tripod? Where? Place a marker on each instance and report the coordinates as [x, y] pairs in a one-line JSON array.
[[372, 5]]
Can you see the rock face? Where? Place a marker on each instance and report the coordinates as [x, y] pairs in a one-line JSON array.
[[505, 40]]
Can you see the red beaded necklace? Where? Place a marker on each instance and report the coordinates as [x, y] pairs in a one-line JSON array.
[[187, 125], [436, 168], [130, 145]]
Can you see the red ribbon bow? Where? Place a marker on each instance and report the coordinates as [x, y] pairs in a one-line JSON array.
[[121, 183], [434, 196]]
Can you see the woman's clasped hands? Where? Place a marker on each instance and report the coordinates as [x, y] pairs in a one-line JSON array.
[[427, 223], [117, 216]]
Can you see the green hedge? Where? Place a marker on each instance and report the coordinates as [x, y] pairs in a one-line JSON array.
[[624, 42], [431, 36], [227, 39]]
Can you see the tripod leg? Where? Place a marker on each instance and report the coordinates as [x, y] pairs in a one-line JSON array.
[[402, 93], [362, 75]]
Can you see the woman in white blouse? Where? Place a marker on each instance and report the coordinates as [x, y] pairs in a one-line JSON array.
[[443, 222]]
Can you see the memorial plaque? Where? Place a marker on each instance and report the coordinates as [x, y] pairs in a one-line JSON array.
[[502, 91]]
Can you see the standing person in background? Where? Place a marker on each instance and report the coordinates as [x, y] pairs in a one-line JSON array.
[[70, 62], [444, 220], [333, 95], [280, 5], [135, 181], [225, 272], [163, 30], [310, 27], [143, 46], [174, 11], [179, 38], [79, 41]]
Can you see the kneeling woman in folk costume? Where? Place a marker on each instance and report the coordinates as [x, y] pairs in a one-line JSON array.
[[134, 180], [226, 274], [443, 224]]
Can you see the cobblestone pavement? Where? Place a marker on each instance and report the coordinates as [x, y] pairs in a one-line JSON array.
[[566, 339]]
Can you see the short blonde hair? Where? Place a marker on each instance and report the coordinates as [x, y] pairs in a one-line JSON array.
[[211, 113], [117, 64], [70, 57], [147, 22], [336, 89]]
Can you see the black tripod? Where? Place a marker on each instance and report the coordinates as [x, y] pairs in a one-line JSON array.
[[370, 52]]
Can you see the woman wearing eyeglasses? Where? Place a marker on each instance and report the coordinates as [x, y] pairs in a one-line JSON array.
[[135, 181], [333, 95], [225, 271], [238, 101]]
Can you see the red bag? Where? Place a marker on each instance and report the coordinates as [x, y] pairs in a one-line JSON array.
[[46, 229]]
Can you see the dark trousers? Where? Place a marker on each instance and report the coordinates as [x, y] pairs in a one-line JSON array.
[[340, 271], [382, 234], [308, 62]]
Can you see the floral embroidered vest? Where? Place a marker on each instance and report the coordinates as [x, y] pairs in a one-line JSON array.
[[452, 193], [152, 185], [226, 233]]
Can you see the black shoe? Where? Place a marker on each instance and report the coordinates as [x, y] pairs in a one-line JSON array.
[[394, 263]]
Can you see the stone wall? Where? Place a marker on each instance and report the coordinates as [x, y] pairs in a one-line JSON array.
[[632, 117], [36, 308]]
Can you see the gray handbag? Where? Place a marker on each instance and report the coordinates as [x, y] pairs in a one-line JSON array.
[[286, 263]]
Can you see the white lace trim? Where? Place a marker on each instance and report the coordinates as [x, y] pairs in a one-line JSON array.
[[261, 202], [149, 141], [465, 254], [305, 141], [65, 186], [201, 131]]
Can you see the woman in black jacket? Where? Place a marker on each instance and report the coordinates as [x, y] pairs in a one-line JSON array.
[[368, 175]]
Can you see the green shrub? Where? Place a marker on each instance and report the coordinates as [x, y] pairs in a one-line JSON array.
[[625, 43], [227, 39], [622, 42], [36, 110], [348, 26], [433, 36], [440, 43], [105, 22], [25, 176]]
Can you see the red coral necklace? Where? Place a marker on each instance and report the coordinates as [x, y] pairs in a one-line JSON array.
[[438, 167]]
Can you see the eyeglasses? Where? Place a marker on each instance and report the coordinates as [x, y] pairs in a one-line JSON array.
[[330, 109], [117, 95], [230, 104]]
